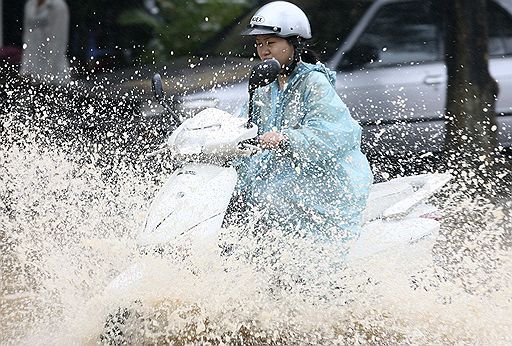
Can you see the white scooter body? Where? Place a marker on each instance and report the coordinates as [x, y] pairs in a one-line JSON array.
[[191, 205]]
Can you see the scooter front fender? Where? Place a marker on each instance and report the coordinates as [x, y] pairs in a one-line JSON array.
[[190, 206]]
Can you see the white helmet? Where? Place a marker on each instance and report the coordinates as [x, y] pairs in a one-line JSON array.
[[281, 18]]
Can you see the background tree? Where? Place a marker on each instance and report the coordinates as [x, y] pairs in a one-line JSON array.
[[471, 136], [181, 26]]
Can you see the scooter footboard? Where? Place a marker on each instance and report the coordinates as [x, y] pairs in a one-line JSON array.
[[424, 185], [405, 236], [398, 197]]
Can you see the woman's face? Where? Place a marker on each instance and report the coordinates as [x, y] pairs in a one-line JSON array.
[[271, 46]]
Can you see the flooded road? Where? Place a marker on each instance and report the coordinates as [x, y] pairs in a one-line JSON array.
[[67, 231], [68, 223]]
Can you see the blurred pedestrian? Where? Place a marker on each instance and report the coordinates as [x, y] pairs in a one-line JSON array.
[[45, 41]]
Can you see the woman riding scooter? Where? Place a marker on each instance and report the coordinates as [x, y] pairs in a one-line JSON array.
[[311, 177]]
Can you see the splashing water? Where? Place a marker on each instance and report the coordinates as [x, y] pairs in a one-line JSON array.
[[68, 231]]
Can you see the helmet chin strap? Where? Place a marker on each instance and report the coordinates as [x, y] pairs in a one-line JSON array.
[[297, 44]]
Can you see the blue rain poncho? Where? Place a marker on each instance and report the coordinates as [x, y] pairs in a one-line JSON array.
[[319, 182]]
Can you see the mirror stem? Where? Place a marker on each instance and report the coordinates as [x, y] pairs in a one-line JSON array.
[[251, 108]]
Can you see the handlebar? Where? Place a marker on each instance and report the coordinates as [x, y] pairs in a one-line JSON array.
[[156, 152], [256, 147], [252, 145]]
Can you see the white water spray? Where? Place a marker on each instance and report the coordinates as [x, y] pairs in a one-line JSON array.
[[67, 231]]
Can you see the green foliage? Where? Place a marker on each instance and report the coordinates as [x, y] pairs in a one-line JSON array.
[[182, 26]]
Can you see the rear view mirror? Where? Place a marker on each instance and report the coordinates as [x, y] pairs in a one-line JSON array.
[[168, 103], [157, 87], [264, 73]]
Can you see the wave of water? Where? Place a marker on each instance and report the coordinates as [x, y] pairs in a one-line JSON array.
[[68, 226], [67, 231]]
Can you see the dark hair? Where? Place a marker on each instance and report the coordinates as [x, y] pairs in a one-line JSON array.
[[309, 55], [304, 50]]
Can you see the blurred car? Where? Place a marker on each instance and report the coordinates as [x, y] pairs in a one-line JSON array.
[[215, 76], [392, 76]]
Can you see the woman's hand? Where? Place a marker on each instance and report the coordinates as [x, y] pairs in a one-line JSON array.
[[271, 140]]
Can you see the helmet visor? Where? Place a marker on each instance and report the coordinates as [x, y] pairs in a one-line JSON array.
[[253, 30]]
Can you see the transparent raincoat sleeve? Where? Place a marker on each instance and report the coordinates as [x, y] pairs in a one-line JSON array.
[[327, 131]]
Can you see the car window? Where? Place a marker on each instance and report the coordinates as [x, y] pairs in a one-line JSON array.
[[399, 33], [500, 31]]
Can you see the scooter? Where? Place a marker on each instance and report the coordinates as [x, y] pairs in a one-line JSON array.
[[189, 209], [191, 205]]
